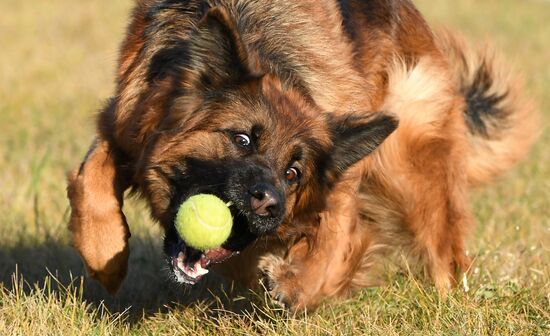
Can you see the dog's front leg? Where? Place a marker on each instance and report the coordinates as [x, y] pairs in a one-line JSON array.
[[99, 227], [322, 266]]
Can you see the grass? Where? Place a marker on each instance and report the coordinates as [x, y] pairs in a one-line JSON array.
[[57, 64]]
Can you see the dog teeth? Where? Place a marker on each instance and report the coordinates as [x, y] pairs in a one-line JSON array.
[[180, 264], [196, 271], [199, 269], [192, 273]]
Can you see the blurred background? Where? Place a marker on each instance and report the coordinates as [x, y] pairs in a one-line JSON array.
[[57, 65]]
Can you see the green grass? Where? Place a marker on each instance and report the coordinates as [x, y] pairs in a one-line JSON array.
[[57, 65]]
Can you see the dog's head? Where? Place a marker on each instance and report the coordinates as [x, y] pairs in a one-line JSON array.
[[259, 146], [212, 121]]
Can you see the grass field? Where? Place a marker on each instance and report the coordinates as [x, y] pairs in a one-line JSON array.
[[56, 67]]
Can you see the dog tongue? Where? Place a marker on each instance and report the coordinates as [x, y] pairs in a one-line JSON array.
[[215, 256]]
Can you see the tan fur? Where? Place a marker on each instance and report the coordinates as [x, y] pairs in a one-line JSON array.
[[100, 231]]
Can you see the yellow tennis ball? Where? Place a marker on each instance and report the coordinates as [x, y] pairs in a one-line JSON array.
[[204, 221]]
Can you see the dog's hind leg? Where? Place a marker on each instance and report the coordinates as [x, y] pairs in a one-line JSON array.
[[437, 214]]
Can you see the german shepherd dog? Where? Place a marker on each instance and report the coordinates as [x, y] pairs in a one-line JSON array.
[[340, 130]]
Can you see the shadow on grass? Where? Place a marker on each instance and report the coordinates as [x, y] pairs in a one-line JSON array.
[[146, 290]]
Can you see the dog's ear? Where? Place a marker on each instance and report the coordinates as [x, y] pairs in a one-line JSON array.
[[354, 137], [99, 228], [217, 54]]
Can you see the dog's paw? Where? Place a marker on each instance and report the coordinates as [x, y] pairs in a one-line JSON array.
[[279, 279]]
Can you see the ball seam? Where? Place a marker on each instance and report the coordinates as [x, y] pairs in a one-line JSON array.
[[204, 223]]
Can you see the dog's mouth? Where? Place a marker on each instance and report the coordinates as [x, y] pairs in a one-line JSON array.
[[190, 272], [190, 265]]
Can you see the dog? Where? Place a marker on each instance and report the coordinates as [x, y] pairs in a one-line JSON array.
[[340, 131]]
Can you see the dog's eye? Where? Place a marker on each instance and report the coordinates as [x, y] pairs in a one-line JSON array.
[[293, 174], [242, 140]]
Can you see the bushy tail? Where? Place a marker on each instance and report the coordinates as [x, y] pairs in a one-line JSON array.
[[502, 123]]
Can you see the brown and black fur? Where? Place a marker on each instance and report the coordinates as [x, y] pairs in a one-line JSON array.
[[331, 78]]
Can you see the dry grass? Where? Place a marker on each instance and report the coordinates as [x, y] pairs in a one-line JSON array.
[[56, 66]]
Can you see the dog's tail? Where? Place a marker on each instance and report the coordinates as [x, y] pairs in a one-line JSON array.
[[502, 124]]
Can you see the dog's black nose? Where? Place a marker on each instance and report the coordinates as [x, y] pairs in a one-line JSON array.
[[264, 200]]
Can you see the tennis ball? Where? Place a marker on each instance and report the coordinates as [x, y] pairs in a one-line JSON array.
[[204, 221]]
